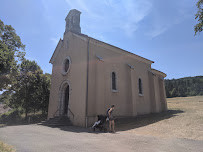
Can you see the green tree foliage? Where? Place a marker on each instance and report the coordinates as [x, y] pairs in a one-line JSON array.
[[27, 88], [189, 86], [45, 91], [11, 51], [199, 17], [31, 90]]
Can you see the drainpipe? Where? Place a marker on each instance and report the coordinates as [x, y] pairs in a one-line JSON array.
[[86, 108]]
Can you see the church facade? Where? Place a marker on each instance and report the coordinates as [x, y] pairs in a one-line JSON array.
[[88, 76]]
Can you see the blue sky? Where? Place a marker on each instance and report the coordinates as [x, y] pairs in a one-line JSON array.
[[159, 30]]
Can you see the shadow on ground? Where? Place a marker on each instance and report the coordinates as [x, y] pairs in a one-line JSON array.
[[128, 123], [16, 119]]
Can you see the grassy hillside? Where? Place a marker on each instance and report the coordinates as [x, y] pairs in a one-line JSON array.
[[184, 119], [183, 87]]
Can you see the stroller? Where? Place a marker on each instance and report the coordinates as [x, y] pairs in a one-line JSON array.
[[100, 124]]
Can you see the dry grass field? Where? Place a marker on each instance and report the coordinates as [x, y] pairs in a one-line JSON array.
[[6, 148], [183, 120]]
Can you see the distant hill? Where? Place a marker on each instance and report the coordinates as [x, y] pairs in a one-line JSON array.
[[183, 87]]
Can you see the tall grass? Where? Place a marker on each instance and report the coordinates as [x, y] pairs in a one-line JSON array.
[[6, 148]]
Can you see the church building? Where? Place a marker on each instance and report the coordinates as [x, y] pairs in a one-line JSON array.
[[88, 76]]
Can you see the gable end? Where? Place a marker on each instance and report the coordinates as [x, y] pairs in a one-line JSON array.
[[56, 51]]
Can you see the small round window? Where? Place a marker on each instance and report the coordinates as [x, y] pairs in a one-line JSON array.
[[66, 65]]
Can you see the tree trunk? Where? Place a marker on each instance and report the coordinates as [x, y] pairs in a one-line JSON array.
[[26, 113]]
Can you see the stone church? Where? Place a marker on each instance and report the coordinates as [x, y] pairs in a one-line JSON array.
[[88, 76]]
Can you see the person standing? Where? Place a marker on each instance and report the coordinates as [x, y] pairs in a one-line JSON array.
[[111, 119]]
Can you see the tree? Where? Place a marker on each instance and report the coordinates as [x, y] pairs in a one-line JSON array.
[[174, 93], [45, 91], [11, 51], [31, 90], [189, 86], [26, 87], [199, 16]]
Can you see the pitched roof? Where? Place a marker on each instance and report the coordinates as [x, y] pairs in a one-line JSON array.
[[114, 47], [159, 72], [56, 51], [86, 36], [123, 50]]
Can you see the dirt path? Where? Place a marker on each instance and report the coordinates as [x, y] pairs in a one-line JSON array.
[[35, 138]]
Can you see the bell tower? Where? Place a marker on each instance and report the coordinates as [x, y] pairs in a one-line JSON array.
[[73, 21]]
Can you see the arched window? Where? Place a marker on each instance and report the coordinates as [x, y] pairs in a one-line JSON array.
[[114, 81], [140, 86], [66, 65]]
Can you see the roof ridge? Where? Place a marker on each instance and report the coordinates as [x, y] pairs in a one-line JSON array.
[[114, 46]]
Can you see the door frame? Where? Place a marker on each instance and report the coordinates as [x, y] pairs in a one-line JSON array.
[[62, 91]]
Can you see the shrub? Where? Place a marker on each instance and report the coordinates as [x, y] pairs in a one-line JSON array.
[[11, 117], [6, 148]]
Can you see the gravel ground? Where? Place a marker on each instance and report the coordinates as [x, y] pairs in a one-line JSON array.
[[37, 138]]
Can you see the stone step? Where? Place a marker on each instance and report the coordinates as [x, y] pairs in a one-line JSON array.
[[58, 121]]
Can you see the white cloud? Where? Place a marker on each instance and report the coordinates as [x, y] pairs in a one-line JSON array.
[[112, 14], [135, 13], [157, 31], [126, 16], [164, 20]]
